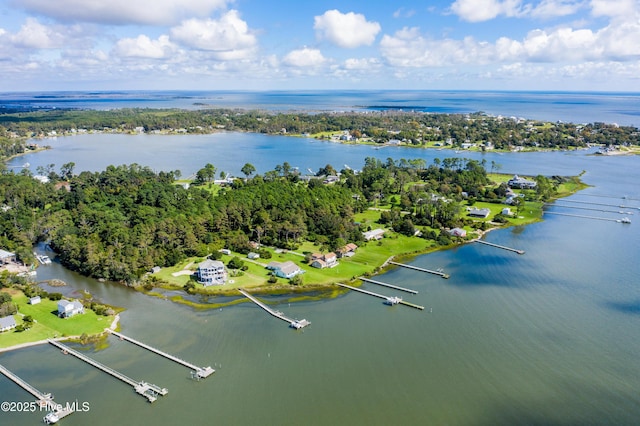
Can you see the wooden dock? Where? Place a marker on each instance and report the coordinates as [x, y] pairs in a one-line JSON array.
[[585, 217], [199, 372], [408, 290], [556, 204], [389, 300], [439, 273], [293, 323], [499, 246], [148, 390], [44, 400]]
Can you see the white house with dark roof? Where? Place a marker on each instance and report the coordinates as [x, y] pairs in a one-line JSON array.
[[286, 269], [211, 272], [7, 323], [67, 309]]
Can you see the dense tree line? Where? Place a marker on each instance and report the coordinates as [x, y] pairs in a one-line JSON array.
[[414, 128], [118, 223]]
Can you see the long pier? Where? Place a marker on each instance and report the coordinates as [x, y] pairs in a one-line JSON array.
[[408, 290], [499, 246], [389, 300], [590, 208], [200, 372], [439, 273], [293, 323], [44, 400], [585, 217], [148, 390], [622, 206]]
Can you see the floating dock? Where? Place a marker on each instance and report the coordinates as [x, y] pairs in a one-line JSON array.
[[148, 390], [44, 400], [293, 323], [199, 372], [408, 290], [439, 273], [499, 246], [389, 300]]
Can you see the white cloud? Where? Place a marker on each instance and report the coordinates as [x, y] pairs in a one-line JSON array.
[[304, 58], [34, 35], [348, 30], [121, 11], [614, 8], [484, 10], [228, 38], [555, 8], [361, 64], [404, 13], [143, 47]]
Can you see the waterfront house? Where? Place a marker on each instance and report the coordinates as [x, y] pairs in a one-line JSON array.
[[476, 212], [347, 251], [322, 261], [506, 211], [522, 183], [67, 309], [286, 269], [211, 272], [35, 300], [374, 234], [7, 257], [458, 232], [7, 323]]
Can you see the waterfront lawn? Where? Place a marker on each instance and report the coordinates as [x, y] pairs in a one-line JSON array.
[[46, 323]]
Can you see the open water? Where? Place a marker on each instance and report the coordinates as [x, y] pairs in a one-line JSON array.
[[550, 337]]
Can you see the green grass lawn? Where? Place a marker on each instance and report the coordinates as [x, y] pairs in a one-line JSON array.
[[47, 324]]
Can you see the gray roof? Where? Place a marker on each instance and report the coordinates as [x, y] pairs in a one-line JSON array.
[[4, 254], [208, 264], [9, 321]]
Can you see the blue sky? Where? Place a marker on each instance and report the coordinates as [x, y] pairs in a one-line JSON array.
[[320, 44]]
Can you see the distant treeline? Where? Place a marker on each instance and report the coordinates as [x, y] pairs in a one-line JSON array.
[[413, 128]]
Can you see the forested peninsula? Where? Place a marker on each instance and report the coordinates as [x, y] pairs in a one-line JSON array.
[[123, 222], [476, 131]]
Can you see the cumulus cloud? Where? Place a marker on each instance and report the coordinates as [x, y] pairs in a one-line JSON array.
[[361, 64], [348, 30], [484, 10], [615, 8], [554, 8], [228, 38], [143, 47], [150, 12], [34, 35], [304, 58]]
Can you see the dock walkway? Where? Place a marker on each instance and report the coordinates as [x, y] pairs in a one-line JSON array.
[[44, 400], [408, 290], [201, 372], [439, 273], [293, 323], [389, 300], [585, 217], [499, 246], [148, 390]]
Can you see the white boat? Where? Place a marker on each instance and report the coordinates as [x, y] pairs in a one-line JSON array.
[[51, 418], [625, 220]]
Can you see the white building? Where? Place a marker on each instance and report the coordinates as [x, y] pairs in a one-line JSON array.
[[211, 272], [67, 309]]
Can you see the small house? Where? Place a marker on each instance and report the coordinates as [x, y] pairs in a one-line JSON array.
[[67, 309], [458, 232], [7, 257], [155, 269], [7, 323], [506, 211], [374, 234], [253, 256], [322, 261], [286, 269], [476, 212], [211, 272], [347, 251], [34, 300]]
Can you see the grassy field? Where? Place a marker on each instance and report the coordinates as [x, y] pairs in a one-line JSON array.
[[46, 323]]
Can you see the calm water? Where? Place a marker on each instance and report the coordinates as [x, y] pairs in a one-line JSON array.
[[578, 107], [550, 337]]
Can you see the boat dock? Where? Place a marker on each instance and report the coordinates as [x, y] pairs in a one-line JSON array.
[[200, 372], [556, 204], [499, 246], [408, 290], [293, 323], [44, 400], [622, 206], [439, 273], [389, 300], [589, 217], [148, 390]]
